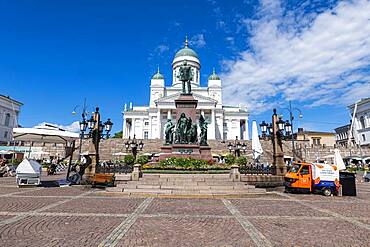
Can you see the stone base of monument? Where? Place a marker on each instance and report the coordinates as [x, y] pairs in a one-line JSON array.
[[194, 151]]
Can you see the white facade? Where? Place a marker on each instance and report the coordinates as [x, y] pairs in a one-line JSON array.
[[148, 122], [361, 124], [9, 111]]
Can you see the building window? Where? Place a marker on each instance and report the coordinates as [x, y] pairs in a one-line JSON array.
[[363, 137], [316, 141], [7, 119], [362, 122], [146, 123], [146, 135], [5, 134]]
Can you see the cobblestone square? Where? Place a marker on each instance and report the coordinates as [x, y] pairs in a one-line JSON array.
[[81, 216], [187, 206]]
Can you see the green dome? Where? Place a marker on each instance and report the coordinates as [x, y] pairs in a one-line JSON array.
[[186, 51], [213, 76], [158, 76]]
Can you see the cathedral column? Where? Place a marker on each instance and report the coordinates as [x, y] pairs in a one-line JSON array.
[[169, 114], [133, 127], [124, 129], [150, 136], [212, 132], [246, 132], [159, 124]]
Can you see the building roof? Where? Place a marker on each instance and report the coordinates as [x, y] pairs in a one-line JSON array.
[[341, 128], [10, 99], [158, 76], [361, 102], [213, 76], [308, 132], [186, 51]]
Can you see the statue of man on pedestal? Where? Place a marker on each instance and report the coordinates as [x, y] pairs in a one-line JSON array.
[[185, 76]]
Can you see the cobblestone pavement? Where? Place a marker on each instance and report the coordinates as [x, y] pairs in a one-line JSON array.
[[79, 216]]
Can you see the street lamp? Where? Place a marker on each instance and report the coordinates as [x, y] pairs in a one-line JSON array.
[[291, 118], [263, 127], [236, 147], [288, 128], [280, 124], [134, 146]]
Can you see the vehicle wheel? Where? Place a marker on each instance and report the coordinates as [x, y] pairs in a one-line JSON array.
[[326, 191]]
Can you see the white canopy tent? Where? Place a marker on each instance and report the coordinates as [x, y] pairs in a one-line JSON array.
[[256, 144], [47, 133]]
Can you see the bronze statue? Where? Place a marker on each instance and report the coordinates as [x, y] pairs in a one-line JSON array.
[[185, 76], [192, 134], [169, 132], [203, 131], [181, 128]]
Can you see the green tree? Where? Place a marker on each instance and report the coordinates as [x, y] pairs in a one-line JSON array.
[[142, 159], [118, 135], [241, 161], [229, 159], [129, 159]]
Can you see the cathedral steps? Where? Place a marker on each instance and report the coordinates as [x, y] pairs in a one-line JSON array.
[[185, 184]]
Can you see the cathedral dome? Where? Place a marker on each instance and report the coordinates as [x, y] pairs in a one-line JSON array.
[[186, 51], [213, 76], [158, 76]]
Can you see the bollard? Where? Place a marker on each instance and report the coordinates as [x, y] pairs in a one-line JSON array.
[[234, 173], [136, 173]]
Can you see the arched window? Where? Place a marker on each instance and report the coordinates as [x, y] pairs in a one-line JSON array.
[[7, 119], [362, 122]]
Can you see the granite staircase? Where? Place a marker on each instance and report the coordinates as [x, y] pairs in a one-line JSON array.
[[185, 184]]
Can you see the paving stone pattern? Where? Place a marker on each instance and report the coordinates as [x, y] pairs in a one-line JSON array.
[[77, 216]]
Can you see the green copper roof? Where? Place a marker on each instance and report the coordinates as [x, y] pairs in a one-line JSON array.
[[214, 76], [186, 51], [158, 76]]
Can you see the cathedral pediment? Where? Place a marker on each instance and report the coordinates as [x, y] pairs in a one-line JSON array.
[[171, 99]]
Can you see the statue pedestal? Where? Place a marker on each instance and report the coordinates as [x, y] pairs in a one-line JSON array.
[[194, 151], [188, 105]]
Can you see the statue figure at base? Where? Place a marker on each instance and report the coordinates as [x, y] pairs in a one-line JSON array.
[[169, 132], [203, 131], [181, 128]]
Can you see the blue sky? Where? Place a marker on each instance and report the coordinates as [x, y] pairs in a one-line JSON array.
[[56, 53]]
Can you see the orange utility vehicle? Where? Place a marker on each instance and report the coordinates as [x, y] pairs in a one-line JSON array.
[[307, 177]]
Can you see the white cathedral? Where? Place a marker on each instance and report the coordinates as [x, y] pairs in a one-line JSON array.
[[148, 122]]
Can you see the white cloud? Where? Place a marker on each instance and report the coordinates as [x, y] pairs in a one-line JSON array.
[[73, 127], [317, 60], [197, 41], [161, 49]]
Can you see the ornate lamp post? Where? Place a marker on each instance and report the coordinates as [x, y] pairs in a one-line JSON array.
[[134, 146], [96, 133], [276, 133], [236, 147], [263, 127]]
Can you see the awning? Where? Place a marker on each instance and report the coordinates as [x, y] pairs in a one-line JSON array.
[[48, 134]]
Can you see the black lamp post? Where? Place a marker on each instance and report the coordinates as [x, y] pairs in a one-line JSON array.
[[275, 131], [95, 131], [263, 127], [134, 146], [236, 147]]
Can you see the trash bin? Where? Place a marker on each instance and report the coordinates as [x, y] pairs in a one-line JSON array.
[[348, 182]]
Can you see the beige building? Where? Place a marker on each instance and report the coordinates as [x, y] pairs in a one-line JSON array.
[[316, 138]]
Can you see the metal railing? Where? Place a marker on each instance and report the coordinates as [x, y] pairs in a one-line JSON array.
[[258, 169], [109, 167]]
